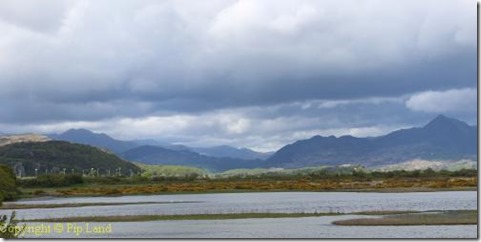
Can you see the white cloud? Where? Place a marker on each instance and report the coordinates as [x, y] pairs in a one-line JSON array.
[[371, 100], [45, 17], [449, 101]]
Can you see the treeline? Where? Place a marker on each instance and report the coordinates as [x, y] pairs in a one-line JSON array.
[[416, 173], [356, 174], [61, 180], [52, 180]]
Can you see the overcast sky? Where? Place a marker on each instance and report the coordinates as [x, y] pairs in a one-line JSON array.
[[247, 73]]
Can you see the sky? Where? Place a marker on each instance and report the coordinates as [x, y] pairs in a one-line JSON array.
[[248, 73]]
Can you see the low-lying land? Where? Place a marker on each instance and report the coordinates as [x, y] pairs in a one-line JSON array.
[[454, 217], [75, 205], [260, 185], [316, 180], [139, 218], [401, 218]]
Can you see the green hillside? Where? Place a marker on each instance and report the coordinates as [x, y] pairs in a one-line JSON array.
[[55, 156]]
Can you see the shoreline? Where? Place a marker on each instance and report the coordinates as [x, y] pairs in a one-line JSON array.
[[10, 206], [373, 218], [366, 190]]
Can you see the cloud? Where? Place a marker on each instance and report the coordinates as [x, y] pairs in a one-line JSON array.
[[449, 101], [261, 128], [43, 18], [184, 58], [247, 73]]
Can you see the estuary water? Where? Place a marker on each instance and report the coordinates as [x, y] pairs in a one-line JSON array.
[[271, 202]]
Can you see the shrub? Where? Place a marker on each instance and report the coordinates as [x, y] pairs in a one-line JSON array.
[[53, 180], [8, 184], [9, 228], [104, 180], [38, 192]]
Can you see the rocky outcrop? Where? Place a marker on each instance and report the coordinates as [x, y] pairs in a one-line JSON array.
[[12, 139]]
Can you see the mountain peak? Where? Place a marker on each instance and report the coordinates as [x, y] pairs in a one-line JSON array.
[[101, 140], [442, 122], [85, 133], [441, 118]]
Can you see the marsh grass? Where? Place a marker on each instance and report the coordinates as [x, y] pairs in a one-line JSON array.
[[453, 217], [385, 212], [74, 205], [139, 218], [218, 186]]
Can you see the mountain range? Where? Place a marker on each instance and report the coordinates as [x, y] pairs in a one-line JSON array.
[[84, 136], [149, 154], [442, 139], [87, 137], [218, 158]]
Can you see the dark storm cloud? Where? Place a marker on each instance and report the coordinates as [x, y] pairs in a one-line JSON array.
[[257, 61]]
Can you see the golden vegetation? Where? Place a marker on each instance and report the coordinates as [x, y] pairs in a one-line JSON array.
[[387, 184]]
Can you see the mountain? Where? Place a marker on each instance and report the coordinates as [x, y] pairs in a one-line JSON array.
[[229, 151], [441, 139], [54, 156], [149, 154], [84, 136]]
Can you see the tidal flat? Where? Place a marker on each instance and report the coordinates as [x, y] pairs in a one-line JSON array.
[[254, 215]]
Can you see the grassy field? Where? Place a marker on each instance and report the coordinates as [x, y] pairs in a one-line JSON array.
[[455, 217]]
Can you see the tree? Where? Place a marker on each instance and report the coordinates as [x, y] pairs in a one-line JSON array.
[[8, 183]]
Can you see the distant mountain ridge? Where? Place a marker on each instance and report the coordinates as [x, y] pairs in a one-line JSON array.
[[87, 137], [441, 139], [149, 154], [229, 151], [216, 158]]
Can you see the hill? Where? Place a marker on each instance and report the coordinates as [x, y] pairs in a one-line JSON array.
[[441, 139], [87, 137], [155, 155], [54, 156]]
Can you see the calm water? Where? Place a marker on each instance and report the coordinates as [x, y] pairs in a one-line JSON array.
[[289, 202]]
